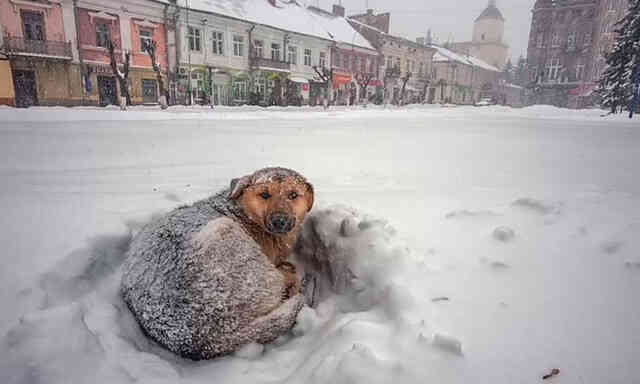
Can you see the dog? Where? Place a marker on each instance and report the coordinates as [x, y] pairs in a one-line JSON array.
[[207, 278]]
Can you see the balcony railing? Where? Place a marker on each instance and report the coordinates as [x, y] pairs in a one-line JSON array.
[[20, 46], [264, 62]]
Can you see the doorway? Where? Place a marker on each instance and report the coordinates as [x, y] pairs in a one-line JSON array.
[[25, 87], [107, 90]]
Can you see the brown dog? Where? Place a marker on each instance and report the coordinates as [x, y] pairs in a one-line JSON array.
[[212, 276], [275, 202]]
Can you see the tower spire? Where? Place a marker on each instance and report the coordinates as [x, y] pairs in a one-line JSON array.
[[492, 3]]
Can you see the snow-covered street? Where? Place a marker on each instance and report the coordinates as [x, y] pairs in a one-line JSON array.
[[517, 235]]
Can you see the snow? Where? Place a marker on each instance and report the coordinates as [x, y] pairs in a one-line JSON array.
[[438, 297], [444, 54], [285, 15]]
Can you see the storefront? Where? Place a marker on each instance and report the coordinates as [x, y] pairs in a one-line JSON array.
[[341, 87]]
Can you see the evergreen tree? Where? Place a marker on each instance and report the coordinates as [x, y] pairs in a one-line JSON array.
[[616, 82]]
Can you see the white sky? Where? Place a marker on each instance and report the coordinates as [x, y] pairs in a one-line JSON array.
[[448, 20]]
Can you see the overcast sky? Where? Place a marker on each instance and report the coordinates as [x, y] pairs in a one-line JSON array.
[[448, 19]]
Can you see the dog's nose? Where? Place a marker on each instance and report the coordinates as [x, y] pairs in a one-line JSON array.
[[280, 223]]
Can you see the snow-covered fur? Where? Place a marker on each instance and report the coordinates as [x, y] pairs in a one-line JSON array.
[[200, 285]]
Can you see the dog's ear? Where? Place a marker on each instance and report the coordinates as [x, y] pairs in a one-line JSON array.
[[238, 185], [309, 196]]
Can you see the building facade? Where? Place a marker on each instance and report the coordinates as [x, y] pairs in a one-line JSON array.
[[487, 42], [37, 47], [405, 65], [568, 42], [462, 79]]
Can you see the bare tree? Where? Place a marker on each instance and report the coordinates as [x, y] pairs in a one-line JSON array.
[[123, 77], [150, 48], [363, 80], [404, 79], [325, 75]]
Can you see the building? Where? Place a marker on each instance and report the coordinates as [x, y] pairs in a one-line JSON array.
[[487, 42], [568, 42], [36, 53], [255, 53], [405, 65], [128, 25], [354, 61], [462, 79]]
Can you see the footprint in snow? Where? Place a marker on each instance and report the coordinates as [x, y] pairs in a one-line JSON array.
[[504, 234]]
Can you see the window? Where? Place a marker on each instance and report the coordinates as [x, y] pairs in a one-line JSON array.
[[218, 42], [238, 45], [307, 57], [398, 62], [239, 90], [149, 91], [33, 25], [103, 35], [354, 64], [336, 59], [579, 70], [588, 38], [571, 40], [146, 39], [555, 40], [345, 61], [193, 35], [534, 73], [292, 54], [372, 65], [482, 37], [275, 52], [389, 62], [540, 40], [553, 68], [363, 65], [421, 68], [258, 48], [322, 59]]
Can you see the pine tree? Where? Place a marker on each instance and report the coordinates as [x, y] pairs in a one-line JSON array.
[[508, 71], [520, 75], [616, 82]]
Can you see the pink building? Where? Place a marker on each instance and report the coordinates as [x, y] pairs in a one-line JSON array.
[[39, 48]]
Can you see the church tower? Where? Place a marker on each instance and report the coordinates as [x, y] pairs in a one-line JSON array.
[[488, 36]]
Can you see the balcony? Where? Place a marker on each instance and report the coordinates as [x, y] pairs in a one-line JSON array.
[[44, 48], [270, 64]]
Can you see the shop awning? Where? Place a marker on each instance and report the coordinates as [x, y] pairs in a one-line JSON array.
[[340, 79], [298, 79], [583, 90]]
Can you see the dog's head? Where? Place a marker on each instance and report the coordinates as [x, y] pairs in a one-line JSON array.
[[277, 199]]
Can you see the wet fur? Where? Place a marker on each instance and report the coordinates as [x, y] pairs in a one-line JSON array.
[[208, 278]]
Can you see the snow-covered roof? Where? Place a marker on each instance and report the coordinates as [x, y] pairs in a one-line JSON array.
[[285, 15], [443, 54]]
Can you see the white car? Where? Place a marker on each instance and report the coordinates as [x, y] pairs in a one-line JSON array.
[[484, 102]]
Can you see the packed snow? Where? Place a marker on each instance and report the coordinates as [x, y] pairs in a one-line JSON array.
[[491, 245]]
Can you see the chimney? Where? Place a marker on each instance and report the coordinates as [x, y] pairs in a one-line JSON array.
[[338, 10]]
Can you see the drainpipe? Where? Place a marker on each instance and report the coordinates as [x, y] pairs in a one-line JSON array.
[[82, 66], [166, 50], [249, 57]]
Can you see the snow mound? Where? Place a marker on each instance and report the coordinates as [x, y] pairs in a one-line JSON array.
[[537, 206], [362, 325], [504, 234]]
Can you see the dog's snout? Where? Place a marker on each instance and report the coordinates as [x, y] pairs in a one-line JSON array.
[[280, 223]]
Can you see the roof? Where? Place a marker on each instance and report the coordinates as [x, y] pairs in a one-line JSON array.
[[443, 54], [491, 12], [285, 15]]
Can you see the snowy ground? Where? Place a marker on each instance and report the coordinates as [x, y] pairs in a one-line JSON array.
[[527, 221]]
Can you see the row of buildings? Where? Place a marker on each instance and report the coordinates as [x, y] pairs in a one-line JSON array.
[[568, 41], [55, 52]]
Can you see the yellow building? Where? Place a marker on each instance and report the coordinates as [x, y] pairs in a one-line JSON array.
[[7, 96]]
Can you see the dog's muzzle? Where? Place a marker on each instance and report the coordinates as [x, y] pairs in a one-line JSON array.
[[280, 223]]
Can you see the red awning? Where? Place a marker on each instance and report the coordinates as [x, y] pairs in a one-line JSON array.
[[583, 90], [340, 79]]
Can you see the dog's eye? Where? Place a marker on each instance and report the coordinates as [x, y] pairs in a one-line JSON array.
[[265, 195], [293, 195]]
